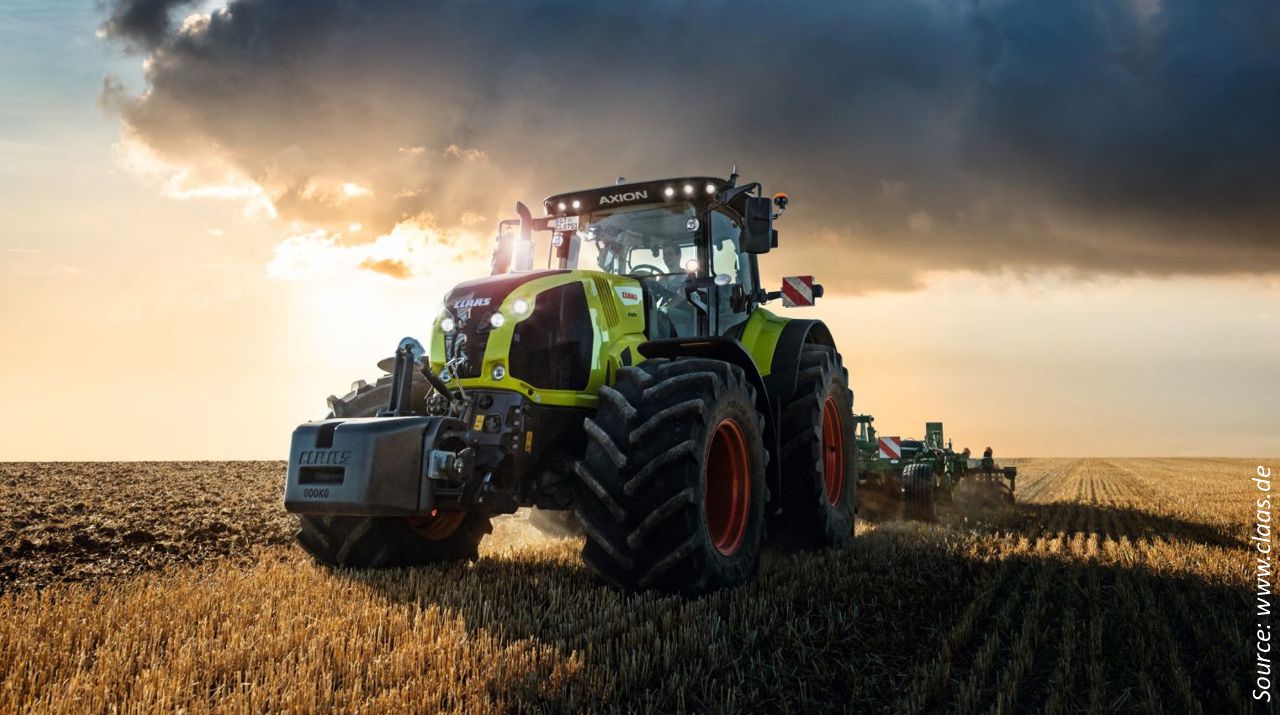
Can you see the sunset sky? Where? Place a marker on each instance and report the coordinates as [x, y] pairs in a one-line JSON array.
[[1053, 226]]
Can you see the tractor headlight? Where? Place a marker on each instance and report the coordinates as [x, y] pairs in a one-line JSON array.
[[447, 325], [520, 307], [499, 372], [497, 319]]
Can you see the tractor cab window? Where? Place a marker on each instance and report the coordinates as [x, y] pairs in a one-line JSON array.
[[727, 258], [657, 245]]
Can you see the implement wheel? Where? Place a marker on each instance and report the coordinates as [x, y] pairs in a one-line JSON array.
[[917, 493], [819, 462], [671, 489], [375, 542]]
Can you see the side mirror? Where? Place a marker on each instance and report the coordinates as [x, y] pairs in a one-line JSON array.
[[758, 235]]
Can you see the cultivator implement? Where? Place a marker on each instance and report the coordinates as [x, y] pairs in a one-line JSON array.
[[989, 480], [914, 475]]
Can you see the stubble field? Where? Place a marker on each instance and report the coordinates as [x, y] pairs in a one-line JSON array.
[[1114, 585]]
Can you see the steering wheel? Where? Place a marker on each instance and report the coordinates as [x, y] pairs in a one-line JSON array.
[[645, 270]]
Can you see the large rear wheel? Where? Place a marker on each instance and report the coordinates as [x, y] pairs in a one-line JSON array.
[[671, 489], [819, 461], [375, 542]]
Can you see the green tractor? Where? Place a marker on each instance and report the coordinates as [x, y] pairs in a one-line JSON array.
[[636, 381]]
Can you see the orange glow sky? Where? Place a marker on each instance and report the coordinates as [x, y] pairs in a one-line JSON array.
[[148, 317]]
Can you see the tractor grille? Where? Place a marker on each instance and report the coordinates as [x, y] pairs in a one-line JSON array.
[[468, 342], [606, 300], [551, 349]]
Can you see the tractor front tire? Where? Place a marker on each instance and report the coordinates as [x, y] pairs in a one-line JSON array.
[[370, 542], [378, 542], [671, 488], [819, 458], [917, 493]]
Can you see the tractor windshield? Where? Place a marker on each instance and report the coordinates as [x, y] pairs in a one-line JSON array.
[[649, 241]]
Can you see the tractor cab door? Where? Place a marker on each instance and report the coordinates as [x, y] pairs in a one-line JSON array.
[[734, 272]]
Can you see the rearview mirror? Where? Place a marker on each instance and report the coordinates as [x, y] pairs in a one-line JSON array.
[[758, 235]]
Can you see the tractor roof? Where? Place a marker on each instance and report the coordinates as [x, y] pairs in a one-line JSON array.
[[641, 192]]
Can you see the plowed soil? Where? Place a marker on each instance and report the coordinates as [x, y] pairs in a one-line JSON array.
[[1113, 585]]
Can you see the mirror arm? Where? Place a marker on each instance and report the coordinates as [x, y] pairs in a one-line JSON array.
[[724, 197]]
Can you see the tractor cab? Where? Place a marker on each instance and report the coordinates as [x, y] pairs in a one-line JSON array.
[[690, 243]]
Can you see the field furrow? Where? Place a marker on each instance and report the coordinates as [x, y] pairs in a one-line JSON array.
[[1112, 585]]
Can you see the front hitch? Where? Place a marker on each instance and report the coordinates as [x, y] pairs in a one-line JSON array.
[[410, 356]]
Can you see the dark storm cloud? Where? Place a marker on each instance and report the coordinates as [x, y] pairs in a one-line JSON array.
[[143, 24], [1096, 137]]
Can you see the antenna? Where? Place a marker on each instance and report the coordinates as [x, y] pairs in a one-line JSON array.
[[621, 180], [733, 176]]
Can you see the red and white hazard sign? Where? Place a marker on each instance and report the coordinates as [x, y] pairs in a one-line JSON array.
[[891, 448], [797, 291]]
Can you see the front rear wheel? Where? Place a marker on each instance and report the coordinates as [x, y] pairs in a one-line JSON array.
[[671, 489]]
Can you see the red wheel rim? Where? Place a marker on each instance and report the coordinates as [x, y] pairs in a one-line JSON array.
[[439, 525], [726, 487], [832, 451]]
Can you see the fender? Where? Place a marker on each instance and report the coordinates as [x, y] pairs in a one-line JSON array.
[[775, 344], [731, 351], [785, 365]]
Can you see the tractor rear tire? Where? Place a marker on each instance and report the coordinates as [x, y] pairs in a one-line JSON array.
[[917, 493], [384, 541], [819, 457], [671, 489]]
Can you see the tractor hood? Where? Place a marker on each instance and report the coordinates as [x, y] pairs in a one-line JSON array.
[[551, 335], [481, 295]]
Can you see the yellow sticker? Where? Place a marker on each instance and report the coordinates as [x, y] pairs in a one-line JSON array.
[[528, 441], [479, 425]]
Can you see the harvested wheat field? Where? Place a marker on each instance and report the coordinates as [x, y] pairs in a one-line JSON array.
[[1114, 585]]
